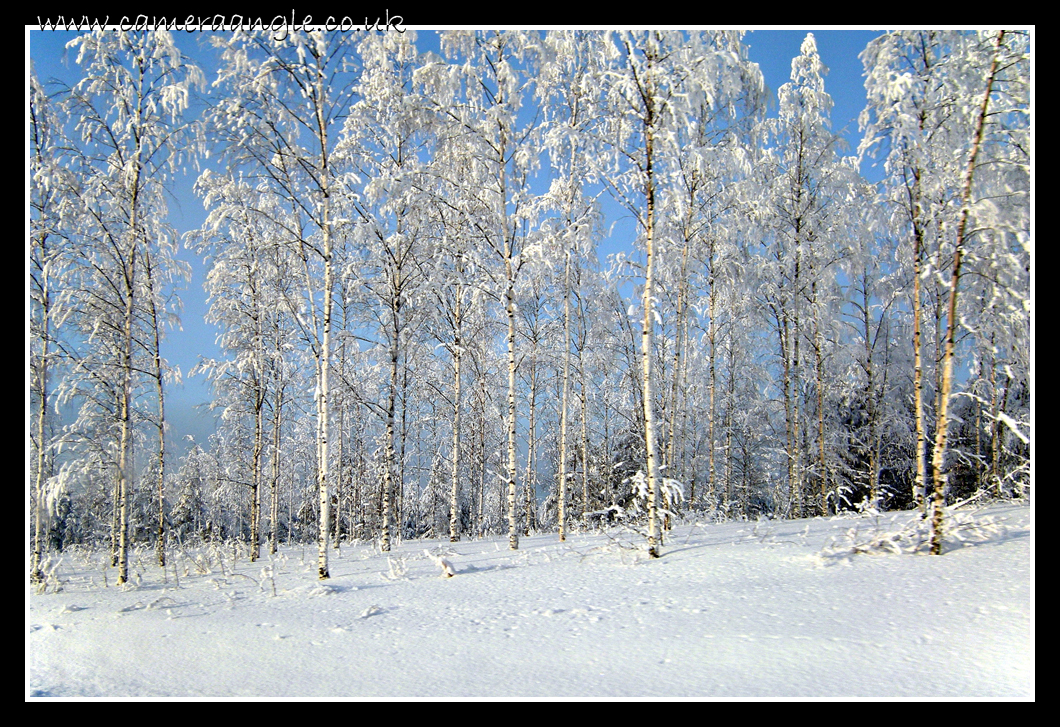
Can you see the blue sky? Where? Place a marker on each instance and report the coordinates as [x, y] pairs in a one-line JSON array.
[[772, 49]]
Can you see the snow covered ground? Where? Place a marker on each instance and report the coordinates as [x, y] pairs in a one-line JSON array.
[[768, 609]]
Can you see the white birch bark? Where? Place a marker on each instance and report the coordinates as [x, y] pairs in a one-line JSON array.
[[458, 354], [942, 428], [562, 504]]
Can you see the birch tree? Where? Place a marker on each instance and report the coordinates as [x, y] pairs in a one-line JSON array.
[[698, 203], [1005, 64], [129, 113], [384, 137], [951, 109], [276, 118], [242, 244], [481, 98], [906, 117], [565, 89], [655, 83], [807, 187], [452, 287], [50, 255]]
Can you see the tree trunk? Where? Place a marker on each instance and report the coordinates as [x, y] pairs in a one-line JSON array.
[[323, 415], [259, 428], [458, 352], [583, 399], [481, 519], [388, 456], [675, 386], [920, 487], [654, 537], [528, 485], [509, 307], [340, 455], [819, 365], [870, 393], [712, 332], [952, 322], [784, 334], [156, 374], [36, 575], [562, 506], [729, 406], [795, 505], [996, 411], [125, 416], [274, 509], [324, 363]]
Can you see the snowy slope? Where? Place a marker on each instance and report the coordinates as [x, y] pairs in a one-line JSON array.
[[770, 609]]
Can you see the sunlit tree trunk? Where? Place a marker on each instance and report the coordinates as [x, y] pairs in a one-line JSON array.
[[562, 506], [125, 454], [675, 382], [920, 488], [654, 537], [458, 354], [941, 431], [156, 373], [818, 347], [509, 307], [324, 369], [528, 483]]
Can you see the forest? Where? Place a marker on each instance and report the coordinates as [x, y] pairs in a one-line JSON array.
[[420, 337]]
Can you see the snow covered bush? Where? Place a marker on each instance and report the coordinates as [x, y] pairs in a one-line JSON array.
[[868, 535], [671, 492]]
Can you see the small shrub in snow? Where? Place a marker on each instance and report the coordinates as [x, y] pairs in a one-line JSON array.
[[670, 493], [51, 577], [439, 560], [268, 575], [397, 567], [915, 536]]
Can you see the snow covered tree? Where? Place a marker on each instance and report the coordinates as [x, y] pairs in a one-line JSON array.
[[385, 135], [128, 110], [248, 263], [571, 63], [280, 101], [452, 277], [50, 258], [806, 186], [481, 98], [951, 109], [998, 208], [655, 83], [906, 117], [699, 204]]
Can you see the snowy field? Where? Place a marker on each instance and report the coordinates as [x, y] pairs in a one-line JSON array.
[[806, 608]]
